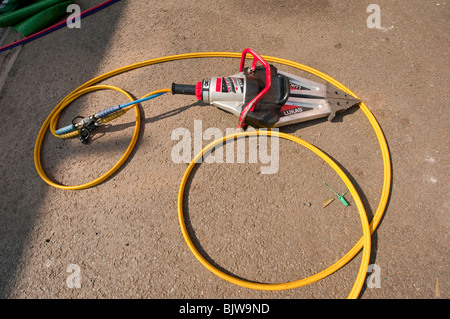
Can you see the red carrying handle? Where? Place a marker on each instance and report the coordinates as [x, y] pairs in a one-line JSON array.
[[252, 104]]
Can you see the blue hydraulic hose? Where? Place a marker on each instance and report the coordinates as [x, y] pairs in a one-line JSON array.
[[116, 108], [66, 129]]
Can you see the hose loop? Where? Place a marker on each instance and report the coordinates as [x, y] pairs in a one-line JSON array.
[[368, 229]]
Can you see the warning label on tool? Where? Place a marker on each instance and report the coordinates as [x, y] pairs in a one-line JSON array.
[[229, 85]]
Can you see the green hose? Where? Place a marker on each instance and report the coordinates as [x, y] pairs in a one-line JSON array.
[[10, 19], [42, 19]]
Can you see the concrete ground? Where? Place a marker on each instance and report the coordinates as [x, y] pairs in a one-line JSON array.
[[122, 238]]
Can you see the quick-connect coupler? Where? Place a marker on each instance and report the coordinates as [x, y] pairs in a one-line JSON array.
[[82, 128], [75, 126]]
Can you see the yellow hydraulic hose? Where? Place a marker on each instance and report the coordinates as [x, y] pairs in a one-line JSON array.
[[295, 284], [368, 229]]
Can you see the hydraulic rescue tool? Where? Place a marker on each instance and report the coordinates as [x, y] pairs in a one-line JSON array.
[[266, 97], [261, 95]]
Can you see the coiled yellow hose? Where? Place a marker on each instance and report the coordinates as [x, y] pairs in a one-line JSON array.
[[368, 229]]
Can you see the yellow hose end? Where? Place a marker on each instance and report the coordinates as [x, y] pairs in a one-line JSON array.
[[69, 135], [112, 116]]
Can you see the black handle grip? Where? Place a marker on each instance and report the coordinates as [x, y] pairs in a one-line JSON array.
[[183, 89]]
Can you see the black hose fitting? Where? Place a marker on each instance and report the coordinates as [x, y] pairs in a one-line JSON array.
[[183, 89]]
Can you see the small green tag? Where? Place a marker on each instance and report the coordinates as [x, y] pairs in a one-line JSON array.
[[341, 197]]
